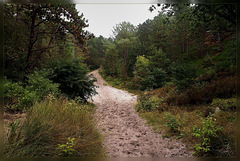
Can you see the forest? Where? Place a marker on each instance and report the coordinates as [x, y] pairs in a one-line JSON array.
[[181, 65]]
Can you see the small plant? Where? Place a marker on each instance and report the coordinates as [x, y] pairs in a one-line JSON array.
[[105, 84], [13, 130], [147, 103], [66, 150], [225, 104], [174, 123], [206, 134]]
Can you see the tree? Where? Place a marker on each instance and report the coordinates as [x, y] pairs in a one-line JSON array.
[[124, 38], [110, 58], [95, 52], [41, 25]]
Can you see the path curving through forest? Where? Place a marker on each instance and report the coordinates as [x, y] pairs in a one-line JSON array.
[[126, 134]]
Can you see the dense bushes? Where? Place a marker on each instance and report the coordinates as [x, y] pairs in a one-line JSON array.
[[183, 75], [39, 82], [147, 103], [225, 104], [73, 79], [20, 96], [50, 123], [147, 76], [205, 93], [16, 97], [154, 79]]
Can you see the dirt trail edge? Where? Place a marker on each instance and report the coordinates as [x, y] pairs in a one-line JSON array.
[[126, 134]]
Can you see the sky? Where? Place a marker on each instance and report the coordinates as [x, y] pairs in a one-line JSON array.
[[103, 17]]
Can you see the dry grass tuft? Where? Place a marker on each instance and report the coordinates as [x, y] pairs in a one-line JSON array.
[[50, 123]]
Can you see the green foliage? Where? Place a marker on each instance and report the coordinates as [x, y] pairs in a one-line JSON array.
[[155, 79], [16, 97], [47, 126], [174, 123], [225, 104], [39, 82], [29, 45], [147, 103], [73, 79], [13, 130], [206, 134], [158, 58], [96, 48], [141, 68], [110, 61], [66, 150], [147, 78], [205, 92], [183, 75]]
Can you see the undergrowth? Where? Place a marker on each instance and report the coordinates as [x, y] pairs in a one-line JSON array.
[[49, 124], [198, 126]]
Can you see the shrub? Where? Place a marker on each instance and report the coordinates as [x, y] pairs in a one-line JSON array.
[[39, 82], [48, 124], [16, 97], [225, 104], [141, 68], [66, 149], [158, 58], [147, 103], [154, 79], [204, 93], [207, 133], [73, 79], [174, 123], [183, 75]]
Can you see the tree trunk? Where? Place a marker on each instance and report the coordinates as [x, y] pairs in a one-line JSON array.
[[126, 65], [202, 41], [220, 42], [187, 47], [31, 37], [183, 49]]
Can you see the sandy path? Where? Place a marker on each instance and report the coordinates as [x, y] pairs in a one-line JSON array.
[[126, 134]]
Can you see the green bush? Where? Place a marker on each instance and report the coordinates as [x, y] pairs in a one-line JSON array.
[[16, 97], [48, 124], [207, 134], [39, 82], [222, 87], [154, 79], [225, 104], [142, 66], [66, 150], [158, 59], [183, 75], [146, 77], [73, 79], [147, 103], [174, 123]]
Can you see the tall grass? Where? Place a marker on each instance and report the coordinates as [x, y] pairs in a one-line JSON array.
[[51, 123]]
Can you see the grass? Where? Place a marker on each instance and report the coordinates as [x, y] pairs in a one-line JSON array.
[[184, 118], [119, 83], [52, 122]]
